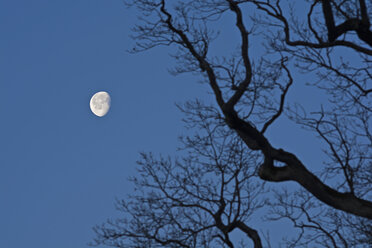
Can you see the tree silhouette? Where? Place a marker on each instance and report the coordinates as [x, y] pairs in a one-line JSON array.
[[194, 201], [330, 42]]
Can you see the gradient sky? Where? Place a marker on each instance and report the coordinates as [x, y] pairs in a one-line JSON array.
[[61, 167]]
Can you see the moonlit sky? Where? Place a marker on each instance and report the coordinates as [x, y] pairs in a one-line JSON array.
[[61, 167]]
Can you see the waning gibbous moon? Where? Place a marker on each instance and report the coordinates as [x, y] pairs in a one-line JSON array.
[[100, 103]]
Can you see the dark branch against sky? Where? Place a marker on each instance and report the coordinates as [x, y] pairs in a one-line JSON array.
[[286, 81]]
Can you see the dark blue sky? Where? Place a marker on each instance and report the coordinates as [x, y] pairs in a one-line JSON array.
[[61, 167]]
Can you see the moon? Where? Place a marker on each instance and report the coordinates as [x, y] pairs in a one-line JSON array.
[[100, 103]]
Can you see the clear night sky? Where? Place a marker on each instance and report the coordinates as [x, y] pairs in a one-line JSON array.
[[61, 167]]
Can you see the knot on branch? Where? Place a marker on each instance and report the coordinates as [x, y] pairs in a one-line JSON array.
[[268, 172], [265, 170]]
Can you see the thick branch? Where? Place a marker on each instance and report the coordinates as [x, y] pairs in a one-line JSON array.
[[330, 24], [294, 170], [244, 52], [329, 19], [354, 24], [251, 233], [364, 12]]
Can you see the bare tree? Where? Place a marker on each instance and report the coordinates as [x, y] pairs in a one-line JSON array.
[[251, 93], [195, 201], [329, 41]]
